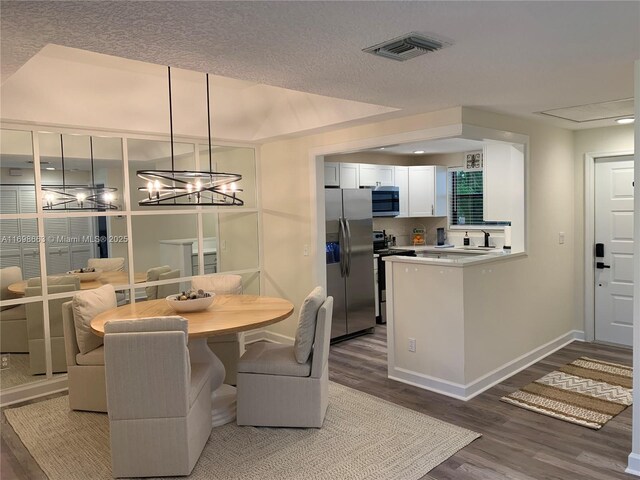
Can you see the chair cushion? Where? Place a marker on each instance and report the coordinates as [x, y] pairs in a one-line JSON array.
[[17, 312], [273, 359], [94, 357], [86, 305], [153, 275], [307, 324]]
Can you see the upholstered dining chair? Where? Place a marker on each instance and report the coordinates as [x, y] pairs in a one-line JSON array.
[[115, 264], [13, 319], [161, 291], [159, 403], [288, 386], [227, 348], [84, 349], [35, 323]]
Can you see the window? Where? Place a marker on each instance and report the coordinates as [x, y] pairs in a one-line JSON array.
[[466, 199]]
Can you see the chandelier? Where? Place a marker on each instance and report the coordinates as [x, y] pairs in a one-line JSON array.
[[78, 197], [189, 187]]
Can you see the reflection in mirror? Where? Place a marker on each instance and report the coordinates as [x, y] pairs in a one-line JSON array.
[[95, 244], [80, 172], [251, 283], [238, 241], [18, 340], [155, 155], [169, 241], [210, 244], [239, 160]]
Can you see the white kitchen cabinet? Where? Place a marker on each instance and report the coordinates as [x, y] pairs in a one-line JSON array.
[[331, 174], [376, 175], [427, 191], [401, 180], [349, 175], [503, 183]]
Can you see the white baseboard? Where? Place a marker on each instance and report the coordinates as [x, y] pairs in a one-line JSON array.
[[29, 392], [267, 336], [633, 466], [479, 385]]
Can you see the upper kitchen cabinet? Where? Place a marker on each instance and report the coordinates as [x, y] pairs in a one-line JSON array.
[[331, 174], [349, 175], [376, 175], [503, 182], [427, 191], [401, 178]]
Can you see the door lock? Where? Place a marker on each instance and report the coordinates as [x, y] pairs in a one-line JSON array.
[[602, 265]]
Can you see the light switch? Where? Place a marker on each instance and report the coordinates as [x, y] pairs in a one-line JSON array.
[[561, 238]]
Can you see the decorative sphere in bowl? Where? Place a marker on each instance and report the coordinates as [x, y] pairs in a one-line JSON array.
[[86, 274], [190, 301]]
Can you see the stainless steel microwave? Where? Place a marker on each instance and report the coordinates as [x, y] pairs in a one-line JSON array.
[[385, 201]]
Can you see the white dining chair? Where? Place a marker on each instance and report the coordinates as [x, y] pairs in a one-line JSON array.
[[115, 264], [13, 319], [284, 385], [227, 348], [159, 403]]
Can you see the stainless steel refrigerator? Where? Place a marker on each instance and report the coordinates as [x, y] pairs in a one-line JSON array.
[[349, 226]]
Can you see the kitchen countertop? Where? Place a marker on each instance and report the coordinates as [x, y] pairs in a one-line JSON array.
[[460, 256]]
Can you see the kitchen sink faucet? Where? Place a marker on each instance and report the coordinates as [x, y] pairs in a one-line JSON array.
[[486, 238]]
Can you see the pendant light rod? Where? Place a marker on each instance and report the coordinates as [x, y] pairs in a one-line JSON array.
[[62, 158], [170, 117], [209, 125], [93, 180]]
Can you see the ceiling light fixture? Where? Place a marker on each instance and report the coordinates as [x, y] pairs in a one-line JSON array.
[[77, 197], [189, 187], [418, 152], [625, 121], [50, 168]]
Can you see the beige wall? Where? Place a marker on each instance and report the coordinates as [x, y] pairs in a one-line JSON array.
[[549, 267], [618, 138]]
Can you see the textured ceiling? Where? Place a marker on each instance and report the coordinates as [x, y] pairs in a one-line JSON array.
[[514, 57]]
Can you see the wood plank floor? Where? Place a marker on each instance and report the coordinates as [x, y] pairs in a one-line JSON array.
[[516, 444]]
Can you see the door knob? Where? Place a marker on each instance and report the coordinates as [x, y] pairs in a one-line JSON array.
[[602, 265]]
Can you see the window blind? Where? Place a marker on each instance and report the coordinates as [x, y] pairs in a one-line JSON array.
[[465, 198]]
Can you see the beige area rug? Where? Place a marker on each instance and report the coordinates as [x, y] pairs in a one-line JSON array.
[[586, 392], [363, 437]]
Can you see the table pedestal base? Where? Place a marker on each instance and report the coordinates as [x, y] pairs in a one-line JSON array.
[[223, 397]]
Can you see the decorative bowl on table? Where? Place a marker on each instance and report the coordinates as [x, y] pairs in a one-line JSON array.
[[192, 301], [86, 274]]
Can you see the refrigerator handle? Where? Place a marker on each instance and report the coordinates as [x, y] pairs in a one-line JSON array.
[[343, 249], [349, 243]]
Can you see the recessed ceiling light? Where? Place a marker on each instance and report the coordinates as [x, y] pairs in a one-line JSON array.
[[50, 168], [381, 148], [626, 120], [418, 152]]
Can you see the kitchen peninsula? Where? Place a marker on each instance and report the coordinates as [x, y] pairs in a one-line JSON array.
[[455, 324]]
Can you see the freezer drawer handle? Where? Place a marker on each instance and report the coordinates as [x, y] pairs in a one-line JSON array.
[[602, 265]]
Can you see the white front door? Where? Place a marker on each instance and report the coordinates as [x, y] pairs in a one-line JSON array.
[[614, 230]]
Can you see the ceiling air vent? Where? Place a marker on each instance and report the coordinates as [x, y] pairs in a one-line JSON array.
[[406, 47]]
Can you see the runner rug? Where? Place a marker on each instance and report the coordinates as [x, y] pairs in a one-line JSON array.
[[586, 392]]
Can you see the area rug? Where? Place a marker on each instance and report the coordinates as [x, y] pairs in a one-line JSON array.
[[363, 437], [586, 392]]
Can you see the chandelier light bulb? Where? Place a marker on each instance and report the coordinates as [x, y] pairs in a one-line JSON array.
[[156, 185], [198, 185], [189, 188]]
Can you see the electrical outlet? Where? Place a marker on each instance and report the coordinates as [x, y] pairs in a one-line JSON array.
[[305, 250], [5, 360], [561, 238], [412, 344]]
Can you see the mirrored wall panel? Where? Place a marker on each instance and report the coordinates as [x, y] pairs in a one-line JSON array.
[[238, 244]]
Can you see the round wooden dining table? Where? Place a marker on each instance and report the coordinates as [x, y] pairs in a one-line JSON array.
[[227, 314], [117, 279]]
